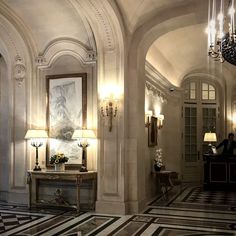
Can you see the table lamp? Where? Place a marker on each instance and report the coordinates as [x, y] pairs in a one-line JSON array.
[[210, 137], [82, 135], [36, 137]]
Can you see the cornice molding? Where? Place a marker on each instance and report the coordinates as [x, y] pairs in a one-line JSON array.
[[101, 17], [156, 76], [102, 22], [152, 90], [87, 26], [159, 82]]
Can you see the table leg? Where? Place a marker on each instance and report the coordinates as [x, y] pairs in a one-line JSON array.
[[78, 193]]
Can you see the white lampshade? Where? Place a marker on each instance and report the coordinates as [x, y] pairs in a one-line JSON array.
[[210, 137], [83, 133], [36, 133]]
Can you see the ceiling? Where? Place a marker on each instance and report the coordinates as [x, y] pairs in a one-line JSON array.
[[178, 45], [137, 12], [48, 20]]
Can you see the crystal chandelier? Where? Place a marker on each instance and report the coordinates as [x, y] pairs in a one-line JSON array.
[[221, 31]]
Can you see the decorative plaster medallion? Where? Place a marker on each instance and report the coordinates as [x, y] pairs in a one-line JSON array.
[[19, 70]]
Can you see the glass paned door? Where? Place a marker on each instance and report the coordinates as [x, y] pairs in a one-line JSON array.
[[198, 119], [208, 122], [190, 134], [191, 155]]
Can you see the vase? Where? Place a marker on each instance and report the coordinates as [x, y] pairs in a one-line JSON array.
[[59, 167], [157, 168]]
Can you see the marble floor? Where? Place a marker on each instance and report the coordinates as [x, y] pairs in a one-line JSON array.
[[181, 211]]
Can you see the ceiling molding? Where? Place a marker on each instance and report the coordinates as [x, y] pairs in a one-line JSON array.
[[87, 26], [157, 77], [65, 46]]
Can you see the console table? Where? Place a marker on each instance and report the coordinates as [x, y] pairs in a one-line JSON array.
[[219, 172], [51, 188], [165, 179]]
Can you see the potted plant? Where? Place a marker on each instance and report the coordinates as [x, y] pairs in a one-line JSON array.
[[158, 160], [58, 160]]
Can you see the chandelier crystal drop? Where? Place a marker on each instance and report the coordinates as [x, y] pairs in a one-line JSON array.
[[221, 31]]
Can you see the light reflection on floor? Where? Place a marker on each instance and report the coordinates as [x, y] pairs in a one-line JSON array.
[[181, 211]]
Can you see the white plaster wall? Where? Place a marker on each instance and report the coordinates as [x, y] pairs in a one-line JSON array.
[[169, 137]]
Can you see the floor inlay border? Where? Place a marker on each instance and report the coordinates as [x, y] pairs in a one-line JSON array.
[[180, 211]]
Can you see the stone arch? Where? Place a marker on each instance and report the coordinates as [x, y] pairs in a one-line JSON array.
[[141, 41], [66, 46], [145, 35], [15, 68]]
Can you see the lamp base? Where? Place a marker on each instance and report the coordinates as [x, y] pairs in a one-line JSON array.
[[37, 168], [209, 149], [83, 169]]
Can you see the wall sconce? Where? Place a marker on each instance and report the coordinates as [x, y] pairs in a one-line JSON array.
[[160, 119], [36, 137], [82, 135], [148, 115], [109, 109]]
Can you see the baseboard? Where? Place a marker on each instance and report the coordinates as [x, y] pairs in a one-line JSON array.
[[108, 207], [14, 197], [121, 208], [3, 196]]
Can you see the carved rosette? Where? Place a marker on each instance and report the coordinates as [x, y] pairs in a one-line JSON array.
[[91, 56], [19, 70], [40, 60]]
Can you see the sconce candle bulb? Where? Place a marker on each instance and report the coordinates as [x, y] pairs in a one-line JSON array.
[[160, 119], [148, 115]]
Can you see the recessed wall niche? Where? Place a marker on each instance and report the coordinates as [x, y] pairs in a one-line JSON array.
[[68, 64]]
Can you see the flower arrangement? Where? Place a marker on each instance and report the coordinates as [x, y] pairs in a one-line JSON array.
[[158, 159], [58, 158]]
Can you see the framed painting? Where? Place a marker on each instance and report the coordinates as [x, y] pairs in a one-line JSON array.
[[152, 132], [67, 111]]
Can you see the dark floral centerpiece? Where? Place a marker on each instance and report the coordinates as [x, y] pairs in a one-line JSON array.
[[58, 158]]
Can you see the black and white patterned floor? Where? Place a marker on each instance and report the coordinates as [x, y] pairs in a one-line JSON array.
[[185, 211]]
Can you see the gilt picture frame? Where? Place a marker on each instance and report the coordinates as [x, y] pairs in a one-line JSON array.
[[66, 111], [152, 132]]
